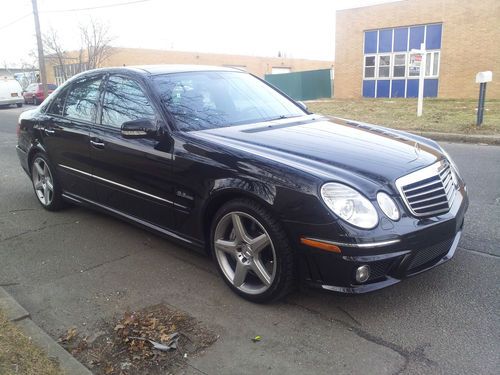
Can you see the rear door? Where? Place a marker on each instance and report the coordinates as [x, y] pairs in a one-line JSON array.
[[132, 176], [66, 130]]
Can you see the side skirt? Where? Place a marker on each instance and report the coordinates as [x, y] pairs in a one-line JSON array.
[[191, 243]]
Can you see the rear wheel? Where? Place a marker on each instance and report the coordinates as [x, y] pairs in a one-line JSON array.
[[252, 251], [45, 184]]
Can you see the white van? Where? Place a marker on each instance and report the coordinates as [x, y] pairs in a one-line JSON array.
[[11, 92]]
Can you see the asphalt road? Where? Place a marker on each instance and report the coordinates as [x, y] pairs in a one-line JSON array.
[[76, 267]]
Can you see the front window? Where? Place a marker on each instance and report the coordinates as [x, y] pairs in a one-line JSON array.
[[124, 101], [205, 100]]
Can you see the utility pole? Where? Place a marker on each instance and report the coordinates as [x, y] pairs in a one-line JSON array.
[[41, 57]]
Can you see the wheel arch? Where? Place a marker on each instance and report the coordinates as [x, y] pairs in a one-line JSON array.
[[35, 149]]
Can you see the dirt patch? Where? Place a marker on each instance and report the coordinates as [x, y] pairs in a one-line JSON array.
[[126, 345]]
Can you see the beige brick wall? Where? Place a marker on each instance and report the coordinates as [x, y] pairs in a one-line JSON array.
[[470, 42], [253, 64]]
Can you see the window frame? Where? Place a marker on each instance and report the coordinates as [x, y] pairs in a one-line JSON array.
[[375, 66], [384, 54], [393, 65]]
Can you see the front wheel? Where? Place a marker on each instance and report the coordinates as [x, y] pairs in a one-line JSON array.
[[252, 251], [45, 183]]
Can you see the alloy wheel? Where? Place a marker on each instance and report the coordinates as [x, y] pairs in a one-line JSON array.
[[43, 181], [245, 252]]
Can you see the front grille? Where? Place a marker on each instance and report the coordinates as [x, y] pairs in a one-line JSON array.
[[380, 268], [430, 255], [429, 191]]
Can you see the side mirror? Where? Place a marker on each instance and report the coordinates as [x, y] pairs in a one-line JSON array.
[[140, 128], [302, 105]]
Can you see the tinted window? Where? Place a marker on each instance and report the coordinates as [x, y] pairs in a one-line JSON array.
[[57, 105], [81, 102], [124, 101], [204, 100]]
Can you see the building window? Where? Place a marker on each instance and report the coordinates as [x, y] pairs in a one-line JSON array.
[[370, 66], [399, 68], [66, 71], [384, 66], [389, 61]]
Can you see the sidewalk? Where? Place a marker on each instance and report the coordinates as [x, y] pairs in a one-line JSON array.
[[21, 318]]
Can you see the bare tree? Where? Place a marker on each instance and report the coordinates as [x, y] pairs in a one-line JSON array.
[[54, 50], [96, 41]]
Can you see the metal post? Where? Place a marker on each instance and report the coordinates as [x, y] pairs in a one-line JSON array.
[[41, 57], [480, 104], [421, 78]]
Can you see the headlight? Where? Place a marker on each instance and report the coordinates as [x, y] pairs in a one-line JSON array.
[[388, 206], [349, 205]]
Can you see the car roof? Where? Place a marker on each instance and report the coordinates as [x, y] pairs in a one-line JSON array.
[[168, 68]]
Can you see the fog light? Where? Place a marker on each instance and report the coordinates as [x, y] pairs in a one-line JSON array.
[[362, 274]]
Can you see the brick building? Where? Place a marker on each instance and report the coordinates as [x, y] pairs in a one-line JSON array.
[[136, 56], [373, 55]]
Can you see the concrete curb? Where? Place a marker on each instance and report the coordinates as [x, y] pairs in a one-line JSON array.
[[464, 138], [21, 318]]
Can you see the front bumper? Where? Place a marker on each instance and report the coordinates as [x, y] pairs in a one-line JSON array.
[[411, 247]]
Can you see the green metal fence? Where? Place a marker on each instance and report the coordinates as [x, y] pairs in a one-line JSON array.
[[308, 85]]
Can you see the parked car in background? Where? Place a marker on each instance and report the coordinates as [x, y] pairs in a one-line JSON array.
[[34, 93], [10, 92], [219, 160]]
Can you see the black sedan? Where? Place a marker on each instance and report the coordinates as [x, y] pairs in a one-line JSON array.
[[219, 160]]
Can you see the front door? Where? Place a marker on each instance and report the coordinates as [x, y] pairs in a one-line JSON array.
[[132, 176]]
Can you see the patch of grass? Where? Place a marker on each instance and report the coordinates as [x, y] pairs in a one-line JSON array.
[[18, 355], [439, 115]]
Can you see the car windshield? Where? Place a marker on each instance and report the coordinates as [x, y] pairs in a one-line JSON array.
[[206, 100]]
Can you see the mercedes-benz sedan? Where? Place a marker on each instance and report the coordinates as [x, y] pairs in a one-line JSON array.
[[219, 160]]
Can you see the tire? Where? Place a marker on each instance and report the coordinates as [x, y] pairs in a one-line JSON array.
[[19, 105], [257, 261], [45, 183]]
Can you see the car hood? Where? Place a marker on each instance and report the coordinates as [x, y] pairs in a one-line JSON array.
[[329, 146]]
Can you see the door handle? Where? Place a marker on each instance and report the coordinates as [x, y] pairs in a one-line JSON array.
[[97, 143], [49, 131]]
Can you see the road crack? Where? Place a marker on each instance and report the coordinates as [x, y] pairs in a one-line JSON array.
[[29, 231], [417, 354]]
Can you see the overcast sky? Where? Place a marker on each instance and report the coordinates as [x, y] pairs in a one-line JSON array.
[[303, 29]]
